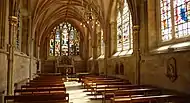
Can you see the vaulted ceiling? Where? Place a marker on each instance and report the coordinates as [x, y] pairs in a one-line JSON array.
[[47, 14]]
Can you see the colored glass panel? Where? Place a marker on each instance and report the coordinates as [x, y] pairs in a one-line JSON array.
[[102, 43], [124, 28], [51, 47], [166, 21], [57, 44], [68, 38], [119, 32], [182, 17]]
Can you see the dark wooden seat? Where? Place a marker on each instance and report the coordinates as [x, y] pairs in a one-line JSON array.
[[147, 99], [108, 94], [42, 89], [43, 86], [38, 98], [39, 90]]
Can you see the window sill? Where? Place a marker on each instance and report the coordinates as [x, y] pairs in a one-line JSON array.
[[125, 53], [101, 57], [178, 47], [3, 51], [90, 59], [21, 54]]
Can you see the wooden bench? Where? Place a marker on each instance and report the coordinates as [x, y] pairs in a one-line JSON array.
[[108, 94], [38, 98], [147, 99], [43, 86], [43, 89], [33, 91]]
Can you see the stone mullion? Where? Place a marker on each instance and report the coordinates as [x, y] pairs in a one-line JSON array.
[[12, 31], [61, 41], [54, 34], [69, 31]]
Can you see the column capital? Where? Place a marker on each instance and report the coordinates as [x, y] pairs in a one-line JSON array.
[[13, 19], [136, 28]]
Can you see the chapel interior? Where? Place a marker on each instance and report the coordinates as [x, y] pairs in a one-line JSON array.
[[89, 45]]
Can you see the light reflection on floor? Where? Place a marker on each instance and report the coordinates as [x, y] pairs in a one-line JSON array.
[[77, 95]]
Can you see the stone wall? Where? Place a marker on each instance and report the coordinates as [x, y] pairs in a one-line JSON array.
[[3, 71], [153, 66], [153, 71], [21, 69]]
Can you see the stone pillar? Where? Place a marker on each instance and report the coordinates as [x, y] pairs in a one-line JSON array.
[[12, 32], [113, 38], [94, 48], [38, 60], [31, 57], [136, 29], [106, 50], [31, 47]]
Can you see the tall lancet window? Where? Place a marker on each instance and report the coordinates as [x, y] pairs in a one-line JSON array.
[[124, 28], [102, 43], [17, 37], [175, 19]]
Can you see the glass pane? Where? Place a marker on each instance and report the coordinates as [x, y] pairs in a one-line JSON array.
[[102, 43], [68, 38], [182, 18], [124, 29], [51, 47], [166, 22], [57, 44]]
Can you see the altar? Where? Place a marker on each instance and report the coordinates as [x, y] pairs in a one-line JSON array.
[[65, 65]]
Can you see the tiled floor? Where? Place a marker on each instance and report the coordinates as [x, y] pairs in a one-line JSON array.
[[77, 94]]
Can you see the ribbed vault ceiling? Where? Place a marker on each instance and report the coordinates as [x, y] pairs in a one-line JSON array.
[[47, 14]]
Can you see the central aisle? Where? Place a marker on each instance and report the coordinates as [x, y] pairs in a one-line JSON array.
[[77, 94]]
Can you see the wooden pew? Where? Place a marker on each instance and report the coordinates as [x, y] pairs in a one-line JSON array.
[[93, 83], [147, 99], [42, 89], [39, 98], [33, 91], [43, 86], [108, 94]]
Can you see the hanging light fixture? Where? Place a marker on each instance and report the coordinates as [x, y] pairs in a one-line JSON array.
[[88, 15]]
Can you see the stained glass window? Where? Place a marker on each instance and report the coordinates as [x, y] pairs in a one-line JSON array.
[[18, 31], [175, 14], [66, 41], [57, 43], [51, 47], [124, 27], [102, 43]]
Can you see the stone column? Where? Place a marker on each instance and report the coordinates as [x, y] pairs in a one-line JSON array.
[[106, 50], [31, 47], [94, 47], [113, 38], [136, 29], [12, 32]]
